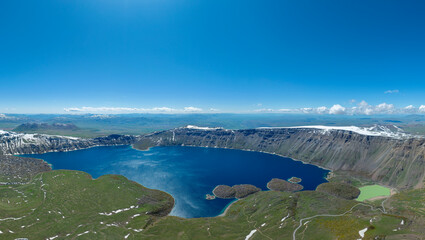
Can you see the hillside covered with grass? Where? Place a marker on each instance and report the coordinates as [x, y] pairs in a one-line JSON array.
[[71, 205]]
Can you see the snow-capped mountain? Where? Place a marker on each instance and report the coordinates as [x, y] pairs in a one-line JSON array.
[[22, 143]]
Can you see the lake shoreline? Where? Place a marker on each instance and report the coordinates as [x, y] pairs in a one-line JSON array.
[[226, 209]]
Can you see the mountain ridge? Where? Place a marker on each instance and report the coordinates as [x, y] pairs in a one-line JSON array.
[[393, 161], [12, 143]]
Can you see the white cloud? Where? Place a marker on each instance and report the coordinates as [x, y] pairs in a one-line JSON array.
[[100, 109], [362, 108], [158, 109], [410, 109], [307, 110], [285, 110], [321, 110], [266, 110], [132, 110], [337, 109], [384, 108], [192, 109], [392, 91]]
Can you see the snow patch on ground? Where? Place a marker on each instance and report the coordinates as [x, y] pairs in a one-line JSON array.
[[112, 225], [250, 234], [11, 218], [202, 128], [32, 137], [362, 232], [80, 234], [376, 130], [118, 211], [283, 219]]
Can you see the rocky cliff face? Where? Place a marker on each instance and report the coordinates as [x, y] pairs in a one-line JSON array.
[[18, 169], [19, 143], [394, 161]]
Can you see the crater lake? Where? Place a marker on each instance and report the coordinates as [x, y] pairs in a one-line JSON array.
[[187, 173]]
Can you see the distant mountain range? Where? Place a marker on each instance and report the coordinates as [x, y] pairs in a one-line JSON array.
[[30, 127]]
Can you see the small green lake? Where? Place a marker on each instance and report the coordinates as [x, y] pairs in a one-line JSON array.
[[371, 191]]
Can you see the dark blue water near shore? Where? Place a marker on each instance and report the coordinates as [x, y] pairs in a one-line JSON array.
[[187, 173]]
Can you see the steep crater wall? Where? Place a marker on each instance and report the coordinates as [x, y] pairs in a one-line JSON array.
[[394, 162], [17, 143]]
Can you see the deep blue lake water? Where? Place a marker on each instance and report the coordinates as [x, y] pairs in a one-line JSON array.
[[187, 173]]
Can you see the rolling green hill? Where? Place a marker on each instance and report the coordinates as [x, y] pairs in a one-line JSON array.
[[64, 204], [70, 204]]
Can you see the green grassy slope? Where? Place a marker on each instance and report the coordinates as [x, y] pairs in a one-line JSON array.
[[71, 205], [264, 212]]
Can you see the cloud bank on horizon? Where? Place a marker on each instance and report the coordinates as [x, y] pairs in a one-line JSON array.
[[362, 108], [132, 110]]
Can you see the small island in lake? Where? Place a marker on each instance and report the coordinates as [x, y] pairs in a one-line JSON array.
[[277, 184], [237, 191], [295, 180], [209, 197]]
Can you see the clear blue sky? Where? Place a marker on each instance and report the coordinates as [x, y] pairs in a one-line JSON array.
[[229, 55]]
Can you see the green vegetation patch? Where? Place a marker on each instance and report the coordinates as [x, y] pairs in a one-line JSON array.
[[276, 215], [342, 190], [70, 204], [277, 184], [371, 191]]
